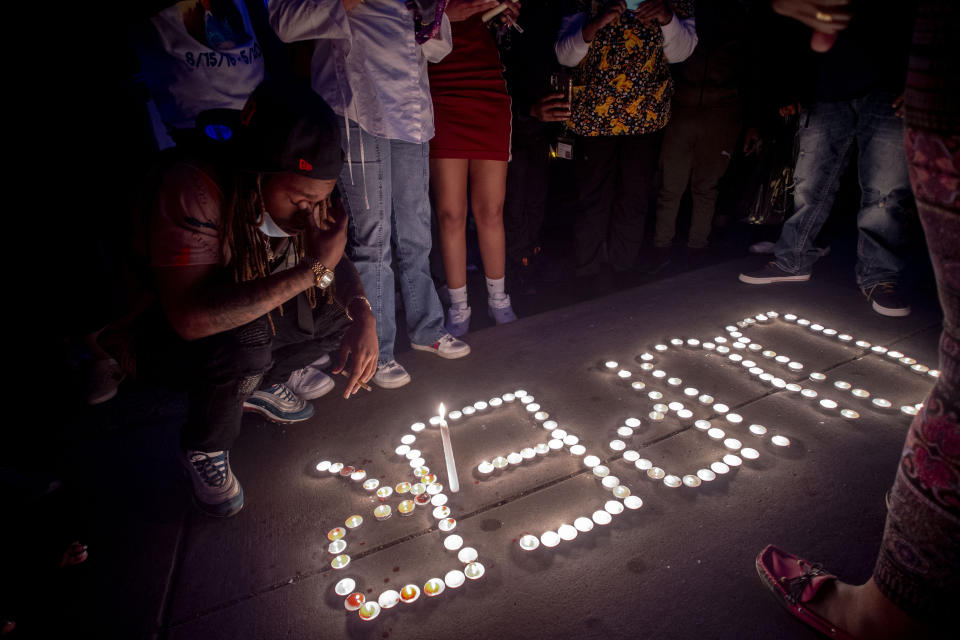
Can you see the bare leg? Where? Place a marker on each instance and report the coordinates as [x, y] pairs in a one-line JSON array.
[[864, 612], [488, 183], [448, 182]]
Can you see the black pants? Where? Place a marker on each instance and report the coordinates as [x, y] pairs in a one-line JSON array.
[[220, 371], [614, 175], [528, 181]]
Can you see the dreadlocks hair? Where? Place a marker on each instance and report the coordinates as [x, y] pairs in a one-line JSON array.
[[244, 246]]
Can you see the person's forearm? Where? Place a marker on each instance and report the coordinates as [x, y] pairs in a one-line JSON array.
[[221, 308]]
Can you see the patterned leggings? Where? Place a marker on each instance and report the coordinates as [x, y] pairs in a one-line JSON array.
[[918, 568]]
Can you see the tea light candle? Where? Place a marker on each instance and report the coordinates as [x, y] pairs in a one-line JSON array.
[[514, 458], [790, 317], [703, 425], [632, 502], [719, 468], [345, 586], [570, 440], [674, 382], [609, 482], [528, 453], [340, 562], [723, 350], [693, 343], [467, 555], [404, 487], [542, 448], [850, 414], [583, 524], [684, 414], [706, 475], [860, 393], [335, 467], [721, 408], [656, 473], [878, 349], [919, 368], [720, 340], [336, 533], [735, 357], [734, 418], [468, 410], [371, 484], [907, 361], [623, 373], [618, 445], [421, 472], [624, 432], [933, 373], [732, 460], [793, 387], [803, 322], [639, 386], [733, 444], [755, 347], [661, 347], [382, 512], [416, 462], [809, 393], [406, 507], [643, 464], [816, 327], [830, 332], [655, 395], [705, 399], [611, 364], [434, 489], [749, 453], [909, 410], [384, 492], [417, 427], [655, 416], [409, 593], [388, 599], [863, 344], [578, 450], [842, 384], [453, 542], [692, 481], [716, 434], [412, 454], [474, 570], [441, 512], [631, 456], [353, 601], [677, 342], [438, 500], [591, 461], [368, 611], [353, 521], [613, 507], [434, 587], [508, 397], [709, 346], [757, 429], [621, 491], [533, 407], [782, 359], [529, 542], [779, 383], [567, 532], [659, 373], [882, 403], [827, 403], [845, 337], [555, 444], [601, 471], [647, 366], [323, 465], [336, 547], [672, 481], [796, 366], [757, 371]]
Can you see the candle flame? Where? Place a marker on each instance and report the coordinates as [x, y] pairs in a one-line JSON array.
[[443, 412]]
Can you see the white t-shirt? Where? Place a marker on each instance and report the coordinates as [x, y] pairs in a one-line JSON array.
[[186, 77]]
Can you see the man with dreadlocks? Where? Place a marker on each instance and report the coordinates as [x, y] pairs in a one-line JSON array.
[[247, 261]]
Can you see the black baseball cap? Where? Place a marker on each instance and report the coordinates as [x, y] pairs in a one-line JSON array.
[[286, 127]]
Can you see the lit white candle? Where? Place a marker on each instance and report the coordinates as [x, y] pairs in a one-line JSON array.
[[452, 480]]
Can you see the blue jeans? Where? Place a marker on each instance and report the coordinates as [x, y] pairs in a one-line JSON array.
[[826, 139], [397, 177]]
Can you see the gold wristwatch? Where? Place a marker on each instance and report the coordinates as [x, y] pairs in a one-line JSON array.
[[322, 277]]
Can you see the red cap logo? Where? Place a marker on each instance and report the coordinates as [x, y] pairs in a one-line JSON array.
[[305, 166]]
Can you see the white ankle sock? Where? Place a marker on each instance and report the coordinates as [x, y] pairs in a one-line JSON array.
[[458, 297], [495, 288]]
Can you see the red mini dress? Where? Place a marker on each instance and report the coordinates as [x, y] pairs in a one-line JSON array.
[[471, 107]]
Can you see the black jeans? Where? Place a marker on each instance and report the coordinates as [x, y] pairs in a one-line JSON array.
[[614, 175], [528, 180], [220, 371]]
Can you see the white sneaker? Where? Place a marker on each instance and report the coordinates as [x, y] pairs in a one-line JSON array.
[[105, 377], [391, 375], [310, 382], [446, 347], [500, 310], [458, 321], [215, 489]]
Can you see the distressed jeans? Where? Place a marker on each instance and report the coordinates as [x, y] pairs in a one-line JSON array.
[[393, 234], [828, 135]]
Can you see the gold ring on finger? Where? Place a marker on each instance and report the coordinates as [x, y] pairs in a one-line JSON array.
[[823, 17]]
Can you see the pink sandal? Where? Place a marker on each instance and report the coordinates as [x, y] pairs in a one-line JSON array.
[[794, 582]]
